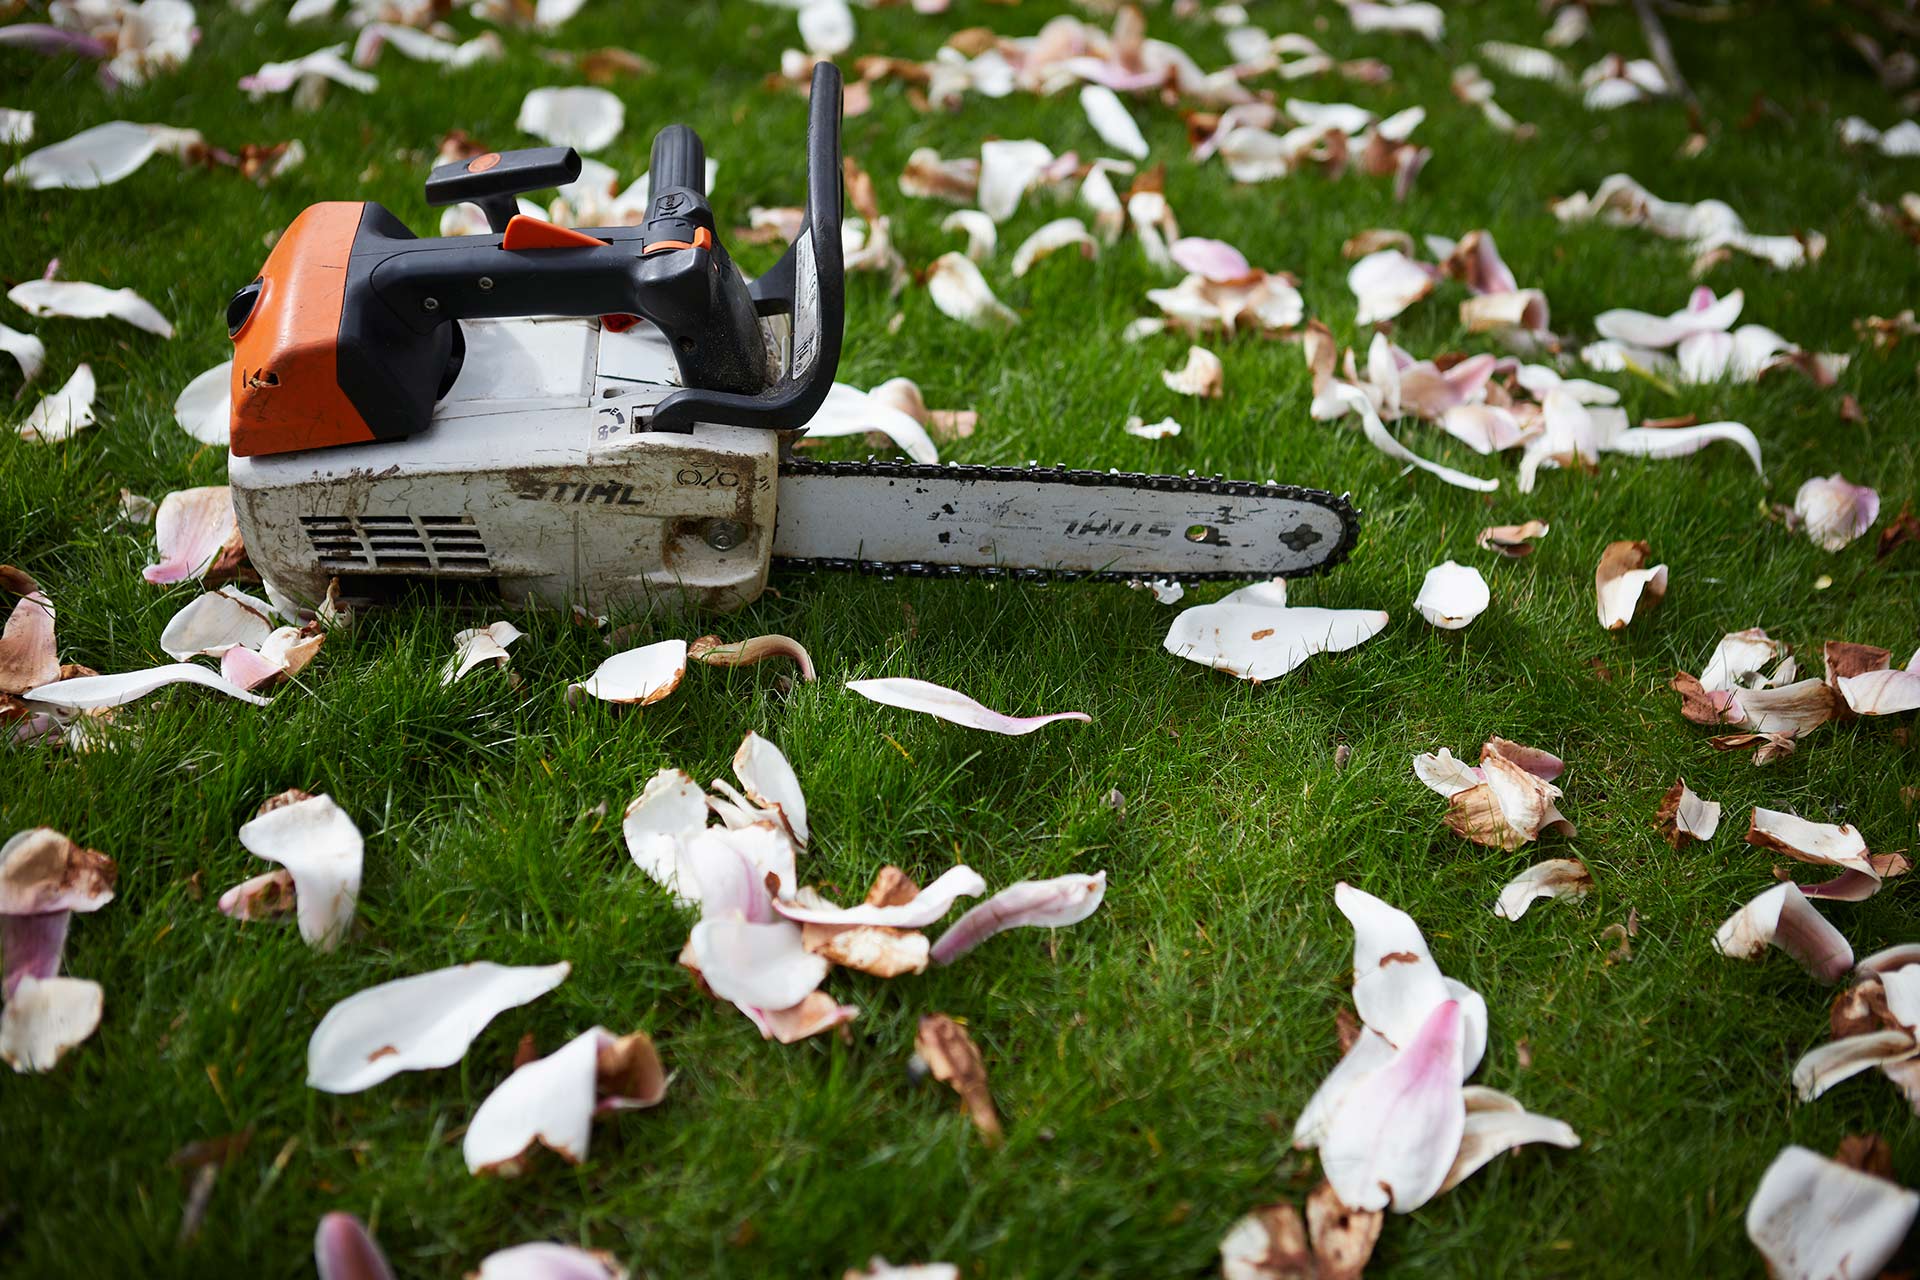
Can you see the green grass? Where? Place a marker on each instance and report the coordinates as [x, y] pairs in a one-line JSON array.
[[1149, 1062]]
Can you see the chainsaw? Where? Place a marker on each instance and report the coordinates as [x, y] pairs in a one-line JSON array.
[[606, 416]]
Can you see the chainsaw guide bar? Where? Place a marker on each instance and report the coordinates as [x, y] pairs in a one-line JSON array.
[[1034, 523]]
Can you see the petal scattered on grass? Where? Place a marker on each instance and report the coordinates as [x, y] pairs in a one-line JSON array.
[[1684, 816], [191, 531], [1816, 1219], [1622, 583], [552, 1101], [28, 351], [1111, 120], [1260, 642], [924, 908], [1452, 595], [1834, 511], [981, 233], [1380, 438], [1508, 800], [92, 158], [962, 293], [755, 965], [44, 1018], [1050, 238], [1882, 693], [1203, 375], [1047, 904], [772, 784], [880, 1269], [344, 1250], [714, 652], [948, 1053], [1515, 541], [59, 414], [639, 677], [214, 622], [1394, 1137], [477, 645], [1827, 845], [321, 848], [951, 705], [1165, 429], [579, 116], [204, 406], [1554, 878], [417, 1023], [1782, 917], [542, 1260], [89, 693], [29, 653], [1839, 1060], [1007, 169], [1388, 282], [79, 300], [1497, 1124]]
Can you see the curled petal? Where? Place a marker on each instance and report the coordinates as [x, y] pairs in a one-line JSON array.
[[321, 848], [29, 654], [1793, 709], [817, 1013], [1007, 170], [1496, 1124], [191, 530], [1387, 283], [1512, 540], [772, 784], [928, 176], [982, 235], [44, 1018], [1370, 1052], [31, 946], [59, 414], [1554, 878], [343, 1250], [924, 908], [962, 293], [477, 645], [417, 1023], [1202, 375], [216, 621], [1049, 904], [95, 157], [1816, 1219], [638, 677], [1738, 661], [1380, 438], [552, 1101], [79, 300], [742, 653], [1621, 583], [27, 350], [1165, 429], [1675, 442], [951, 705], [43, 871], [1834, 511], [1394, 1137], [544, 1261], [1882, 693], [579, 116], [1054, 236], [847, 411], [1783, 917], [1452, 595], [669, 810], [1446, 773], [1684, 816], [1826, 1066], [948, 1052], [88, 693], [1825, 844], [264, 897], [826, 27]]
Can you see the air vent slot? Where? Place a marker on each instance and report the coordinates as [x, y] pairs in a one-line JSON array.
[[398, 544]]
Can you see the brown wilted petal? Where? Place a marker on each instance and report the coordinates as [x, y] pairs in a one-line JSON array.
[[1621, 583], [43, 871], [818, 1012], [29, 655], [1270, 1243], [1512, 540], [1513, 804], [1343, 1237], [1867, 1152], [1767, 747], [1825, 844], [949, 1053], [927, 175], [1783, 917], [740, 653], [1683, 816], [1795, 709], [1375, 239], [1554, 878]]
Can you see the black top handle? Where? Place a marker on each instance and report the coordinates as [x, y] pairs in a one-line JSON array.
[[808, 283]]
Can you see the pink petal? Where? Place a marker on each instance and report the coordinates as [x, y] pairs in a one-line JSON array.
[[244, 668], [951, 705], [1783, 917], [343, 1250], [30, 946], [1212, 259], [923, 909], [28, 653], [1835, 511], [1395, 1136], [772, 784], [762, 965], [1049, 904], [190, 529]]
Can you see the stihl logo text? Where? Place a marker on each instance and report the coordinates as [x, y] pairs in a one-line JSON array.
[[608, 492]]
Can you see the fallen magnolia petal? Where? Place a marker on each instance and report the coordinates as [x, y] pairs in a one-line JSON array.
[[1007, 169], [1514, 541], [1795, 709], [322, 849], [29, 653], [772, 784], [578, 116], [924, 908], [1825, 844], [264, 897], [1388, 282], [192, 530], [1270, 1243], [1203, 375], [344, 1250], [1452, 595], [1677, 442], [962, 293], [59, 414], [714, 652], [1554, 878], [1834, 511], [79, 300], [1343, 1237], [1258, 641], [1684, 816], [848, 411], [1783, 917], [826, 27], [417, 1023], [29, 351], [755, 965], [92, 158], [1816, 1219], [1882, 693], [89, 693], [45, 1017], [667, 811], [542, 1260], [44, 873], [1621, 583], [283, 654], [477, 645], [1393, 1139], [981, 233], [1822, 1068], [948, 1053], [1514, 801], [1380, 438], [1215, 261], [951, 705], [1165, 429], [817, 1013], [639, 677], [216, 621], [879, 1268], [1497, 1124], [927, 176], [552, 1101], [1049, 904], [1053, 236], [1110, 119], [204, 407]]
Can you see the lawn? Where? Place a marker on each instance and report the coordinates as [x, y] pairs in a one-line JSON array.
[[1149, 1062]]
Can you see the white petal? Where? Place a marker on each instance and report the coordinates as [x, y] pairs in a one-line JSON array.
[[771, 783], [417, 1023], [214, 622], [668, 810], [1416, 17], [1203, 375], [58, 415], [1499, 1125], [477, 645], [1816, 1219], [962, 293], [204, 407], [1342, 116], [1452, 595], [1007, 170], [1394, 1136], [638, 677], [982, 235], [548, 1101], [1882, 693], [544, 1261], [1370, 1052], [849, 411], [1783, 917], [1736, 662], [1826, 1066], [1259, 643], [1445, 773], [189, 531], [1386, 283], [1109, 118], [321, 848], [826, 27], [575, 116], [1046, 904], [86, 693], [765, 966], [1620, 582], [1554, 878], [27, 349], [95, 157], [1164, 429], [1835, 511], [79, 300], [1380, 438], [924, 908], [1674, 442], [951, 705], [1055, 235], [45, 1018]]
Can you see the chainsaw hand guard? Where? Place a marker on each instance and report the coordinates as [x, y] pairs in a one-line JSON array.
[[351, 334]]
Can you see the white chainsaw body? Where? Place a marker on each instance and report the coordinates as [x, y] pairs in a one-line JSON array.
[[531, 481]]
